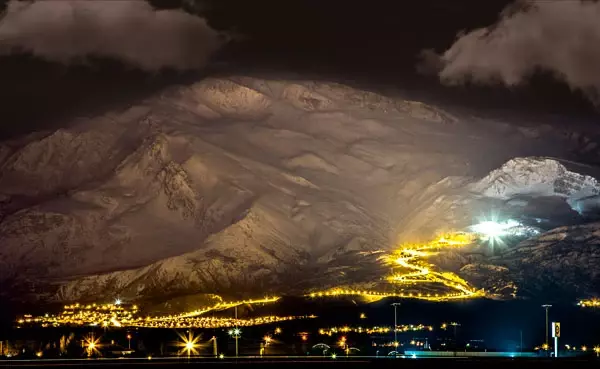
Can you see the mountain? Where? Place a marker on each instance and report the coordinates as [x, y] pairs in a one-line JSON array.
[[245, 186]]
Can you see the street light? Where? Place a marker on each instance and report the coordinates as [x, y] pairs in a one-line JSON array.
[[455, 325], [235, 333], [188, 343], [395, 305], [91, 344], [214, 341], [129, 340], [547, 307]]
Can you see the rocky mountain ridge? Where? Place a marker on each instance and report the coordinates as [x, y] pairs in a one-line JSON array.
[[243, 186]]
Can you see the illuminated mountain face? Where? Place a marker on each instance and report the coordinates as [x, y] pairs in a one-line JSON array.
[[245, 187]]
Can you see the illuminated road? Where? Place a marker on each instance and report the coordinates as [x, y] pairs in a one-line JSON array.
[[413, 277], [409, 263], [302, 362], [411, 269]]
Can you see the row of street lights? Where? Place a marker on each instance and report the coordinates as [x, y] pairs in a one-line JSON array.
[[455, 325], [190, 342]]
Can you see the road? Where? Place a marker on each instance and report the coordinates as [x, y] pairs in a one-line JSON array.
[[303, 362]]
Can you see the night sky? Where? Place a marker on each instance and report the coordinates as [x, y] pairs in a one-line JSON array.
[[372, 44]]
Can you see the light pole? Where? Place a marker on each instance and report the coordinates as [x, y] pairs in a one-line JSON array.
[[521, 344], [235, 333], [395, 305], [547, 307], [455, 325], [129, 340]]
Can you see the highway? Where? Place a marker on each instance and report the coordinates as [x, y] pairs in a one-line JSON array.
[[301, 361]]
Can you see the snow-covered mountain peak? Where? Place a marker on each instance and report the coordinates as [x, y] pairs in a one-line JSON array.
[[535, 176]]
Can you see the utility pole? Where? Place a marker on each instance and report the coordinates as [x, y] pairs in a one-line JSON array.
[[521, 345], [455, 325], [395, 305], [547, 307], [237, 330]]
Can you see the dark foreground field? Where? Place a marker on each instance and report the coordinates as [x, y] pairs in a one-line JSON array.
[[301, 362]]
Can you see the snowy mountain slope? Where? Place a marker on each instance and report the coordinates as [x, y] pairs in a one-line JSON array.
[[242, 186]]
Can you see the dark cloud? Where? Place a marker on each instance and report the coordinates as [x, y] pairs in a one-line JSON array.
[[561, 37], [128, 30]]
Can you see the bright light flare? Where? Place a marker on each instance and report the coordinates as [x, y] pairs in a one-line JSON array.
[[491, 229], [235, 332], [494, 231], [92, 345], [189, 344]]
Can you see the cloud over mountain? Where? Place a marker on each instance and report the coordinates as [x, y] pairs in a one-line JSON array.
[[128, 30], [561, 37]]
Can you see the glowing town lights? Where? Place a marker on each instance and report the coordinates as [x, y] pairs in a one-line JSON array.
[[593, 303], [123, 315], [228, 305], [374, 330], [277, 330]]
